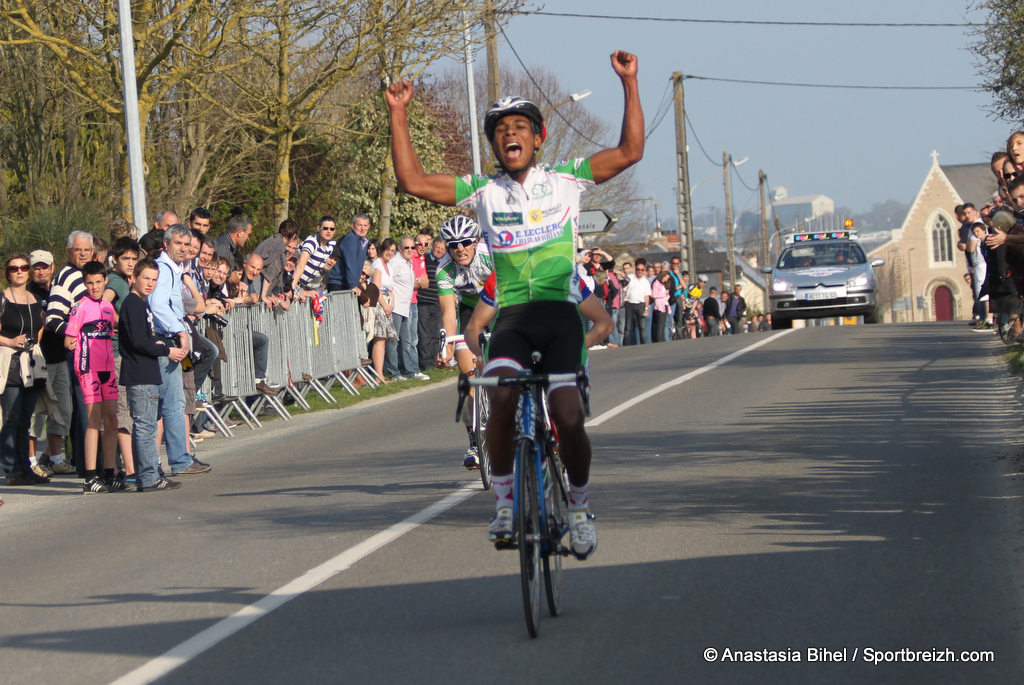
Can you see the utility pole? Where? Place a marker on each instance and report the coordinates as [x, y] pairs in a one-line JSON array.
[[491, 34], [765, 257], [726, 161], [132, 126], [686, 252], [778, 235]]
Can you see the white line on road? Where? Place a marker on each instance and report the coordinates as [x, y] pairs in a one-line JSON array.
[[612, 413], [193, 647]]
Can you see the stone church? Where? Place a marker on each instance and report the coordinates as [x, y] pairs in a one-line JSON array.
[[923, 277]]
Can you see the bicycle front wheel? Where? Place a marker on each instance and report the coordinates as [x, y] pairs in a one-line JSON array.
[[555, 505], [529, 534], [482, 409]]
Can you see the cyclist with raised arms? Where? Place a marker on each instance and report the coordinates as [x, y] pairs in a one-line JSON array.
[[530, 216], [461, 275]]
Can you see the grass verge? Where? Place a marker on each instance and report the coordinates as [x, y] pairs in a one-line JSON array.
[[1014, 356], [343, 399]]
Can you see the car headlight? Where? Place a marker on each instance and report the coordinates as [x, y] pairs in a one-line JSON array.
[[781, 286], [858, 281]]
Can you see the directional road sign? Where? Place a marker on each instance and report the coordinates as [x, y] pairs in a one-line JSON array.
[[596, 220]]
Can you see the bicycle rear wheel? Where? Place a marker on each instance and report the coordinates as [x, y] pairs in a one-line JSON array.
[[529, 535], [1009, 319], [556, 507], [482, 407]]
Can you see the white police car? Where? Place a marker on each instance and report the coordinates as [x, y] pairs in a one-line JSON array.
[[821, 275]]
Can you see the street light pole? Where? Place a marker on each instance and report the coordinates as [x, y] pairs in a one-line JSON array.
[[132, 125], [474, 132], [575, 97]]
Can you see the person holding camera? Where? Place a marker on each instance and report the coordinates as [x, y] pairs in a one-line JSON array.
[[21, 324]]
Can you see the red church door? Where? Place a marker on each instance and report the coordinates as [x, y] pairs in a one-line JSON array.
[[943, 304]]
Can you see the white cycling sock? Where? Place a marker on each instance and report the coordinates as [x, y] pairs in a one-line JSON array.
[[579, 496], [502, 486], [56, 459]]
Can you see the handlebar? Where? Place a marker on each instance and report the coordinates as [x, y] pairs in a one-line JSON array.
[[523, 381]]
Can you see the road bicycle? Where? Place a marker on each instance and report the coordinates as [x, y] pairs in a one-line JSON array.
[[539, 522], [1010, 319], [481, 412]]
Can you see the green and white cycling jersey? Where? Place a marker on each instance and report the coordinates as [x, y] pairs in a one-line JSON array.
[[465, 282], [531, 228]]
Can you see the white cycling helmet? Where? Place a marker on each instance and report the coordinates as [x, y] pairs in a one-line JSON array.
[[514, 105], [703, 277], [458, 228]]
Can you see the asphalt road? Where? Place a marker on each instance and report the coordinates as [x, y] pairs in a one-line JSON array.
[[851, 488]]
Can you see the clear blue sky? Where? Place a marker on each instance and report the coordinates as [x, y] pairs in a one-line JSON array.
[[856, 146]]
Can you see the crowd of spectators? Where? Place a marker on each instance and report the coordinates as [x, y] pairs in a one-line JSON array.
[[77, 366], [656, 302], [111, 351], [992, 240]]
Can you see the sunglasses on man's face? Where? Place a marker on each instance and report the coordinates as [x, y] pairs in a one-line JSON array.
[[423, 244], [460, 243]]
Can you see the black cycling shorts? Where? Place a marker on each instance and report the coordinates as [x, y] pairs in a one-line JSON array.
[[463, 314], [555, 329]]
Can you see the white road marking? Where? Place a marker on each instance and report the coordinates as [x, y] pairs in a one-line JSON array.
[[194, 646], [629, 404]]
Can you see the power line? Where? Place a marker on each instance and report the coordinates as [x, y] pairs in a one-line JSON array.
[[694, 132], [755, 23], [744, 182], [822, 85], [544, 95], [659, 113]]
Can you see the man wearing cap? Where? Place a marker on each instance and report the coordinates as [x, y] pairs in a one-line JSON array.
[[53, 410]]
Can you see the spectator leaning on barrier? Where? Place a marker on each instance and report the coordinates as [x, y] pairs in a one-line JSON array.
[[253, 281], [274, 251], [433, 250], [67, 289], [168, 312], [314, 252], [53, 409], [229, 244], [350, 253]]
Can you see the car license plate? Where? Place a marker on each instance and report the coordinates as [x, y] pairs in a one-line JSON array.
[[822, 296]]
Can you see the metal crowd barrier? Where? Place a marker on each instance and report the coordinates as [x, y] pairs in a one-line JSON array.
[[305, 352]]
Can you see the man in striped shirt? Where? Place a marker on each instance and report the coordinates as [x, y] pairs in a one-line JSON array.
[[67, 289], [314, 252]]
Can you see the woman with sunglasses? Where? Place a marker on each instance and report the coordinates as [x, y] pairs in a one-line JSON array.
[[21, 323], [461, 275]]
